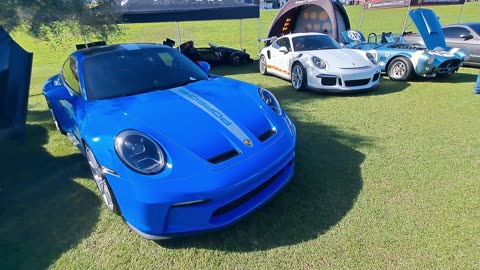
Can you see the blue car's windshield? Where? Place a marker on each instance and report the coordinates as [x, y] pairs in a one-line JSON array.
[[314, 42], [130, 72]]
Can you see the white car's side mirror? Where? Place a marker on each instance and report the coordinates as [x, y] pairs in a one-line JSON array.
[[283, 49]]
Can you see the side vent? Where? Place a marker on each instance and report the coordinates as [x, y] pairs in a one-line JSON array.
[[223, 156], [266, 135]]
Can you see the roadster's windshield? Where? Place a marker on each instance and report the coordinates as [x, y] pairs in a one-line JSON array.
[[131, 72], [314, 42]]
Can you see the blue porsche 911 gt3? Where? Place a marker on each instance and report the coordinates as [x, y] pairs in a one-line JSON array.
[[172, 149]]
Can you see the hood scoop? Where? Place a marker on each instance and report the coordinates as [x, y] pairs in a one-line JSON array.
[[223, 156]]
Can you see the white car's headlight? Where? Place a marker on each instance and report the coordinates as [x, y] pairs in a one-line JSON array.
[[139, 152], [270, 100], [319, 62], [372, 58]]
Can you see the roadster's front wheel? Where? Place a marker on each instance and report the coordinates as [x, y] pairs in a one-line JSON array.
[[400, 69], [298, 77], [262, 65], [102, 184]]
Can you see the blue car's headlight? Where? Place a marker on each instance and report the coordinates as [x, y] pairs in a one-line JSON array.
[[372, 58], [319, 62], [139, 152], [270, 100]]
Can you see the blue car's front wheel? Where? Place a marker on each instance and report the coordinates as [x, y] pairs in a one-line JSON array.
[[102, 184], [400, 69]]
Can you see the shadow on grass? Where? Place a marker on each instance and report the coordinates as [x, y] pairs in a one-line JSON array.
[[40, 116], [225, 70], [326, 184], [43, 212], [457, 77], [386, 86]]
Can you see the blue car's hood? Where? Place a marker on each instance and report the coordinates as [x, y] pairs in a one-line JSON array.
[[429, 28], [209, 117]]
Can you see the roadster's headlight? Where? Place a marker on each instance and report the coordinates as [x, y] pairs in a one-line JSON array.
[[465, 55], [372, 58], [270, 100], [431, 59], [319, 62], [139, 152], [427, 58]]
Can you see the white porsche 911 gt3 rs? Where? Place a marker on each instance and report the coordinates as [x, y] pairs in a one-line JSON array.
[[318, 62]]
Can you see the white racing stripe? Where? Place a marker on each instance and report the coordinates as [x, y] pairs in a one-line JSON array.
[[415, 58], [214, 112]]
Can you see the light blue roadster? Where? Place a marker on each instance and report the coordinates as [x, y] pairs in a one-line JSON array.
[[402, 61], [172, 149]]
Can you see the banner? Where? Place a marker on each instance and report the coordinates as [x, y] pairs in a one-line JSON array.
[[15, 73], [436, 2], [377, 4]]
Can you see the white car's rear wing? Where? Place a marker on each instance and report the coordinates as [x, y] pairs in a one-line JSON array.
[[272, 39]]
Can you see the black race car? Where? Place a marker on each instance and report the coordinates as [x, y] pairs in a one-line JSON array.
[[214, 55]]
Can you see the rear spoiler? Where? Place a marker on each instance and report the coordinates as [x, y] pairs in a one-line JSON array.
[[91, 44], [270, 39]]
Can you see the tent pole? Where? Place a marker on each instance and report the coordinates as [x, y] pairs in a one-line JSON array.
[[179, 38], [461, 12], [259, 33], [361, 18], [241, 34], [405, 21], [86, 41]]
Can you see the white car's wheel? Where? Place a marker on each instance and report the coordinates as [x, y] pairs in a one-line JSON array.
[[102, 184], [298, 77], [262, 65]]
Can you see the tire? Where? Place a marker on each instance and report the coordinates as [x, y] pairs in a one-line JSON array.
[[298, 77], [236, 59], [101, 182], [400, 69], [262, 65]]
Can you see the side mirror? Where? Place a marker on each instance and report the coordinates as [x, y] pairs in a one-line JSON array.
[[205, 66], [467, 36], [283, 49]]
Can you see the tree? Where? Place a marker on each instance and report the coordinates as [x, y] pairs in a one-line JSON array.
[[61, 19]]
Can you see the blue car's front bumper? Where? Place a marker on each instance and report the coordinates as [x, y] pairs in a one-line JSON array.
[[166, 208]]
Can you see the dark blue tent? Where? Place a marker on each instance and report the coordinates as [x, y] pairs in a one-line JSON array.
[[140, 11], [15, 72]]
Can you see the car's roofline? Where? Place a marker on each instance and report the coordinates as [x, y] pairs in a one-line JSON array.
[[92, 51], [462, 24]]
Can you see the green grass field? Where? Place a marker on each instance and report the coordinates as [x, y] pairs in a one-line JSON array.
[[387, 179]]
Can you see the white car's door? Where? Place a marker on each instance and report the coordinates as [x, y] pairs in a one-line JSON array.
[[280, 58]]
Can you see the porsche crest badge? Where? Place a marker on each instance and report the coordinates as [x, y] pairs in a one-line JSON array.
[[247, 142]]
